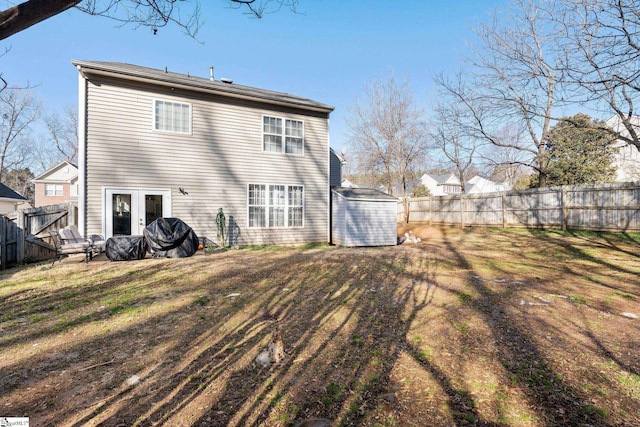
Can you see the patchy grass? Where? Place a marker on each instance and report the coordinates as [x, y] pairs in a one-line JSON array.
[[469, 327]]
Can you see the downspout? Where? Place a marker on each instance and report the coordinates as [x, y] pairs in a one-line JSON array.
[[329, 225], [82, 152]]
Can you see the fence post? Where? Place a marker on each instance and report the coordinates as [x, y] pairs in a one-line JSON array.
[[406, 204], [22, 233], [563, 207], [3, 241], [71, 215], [462, 210], [504, 209]]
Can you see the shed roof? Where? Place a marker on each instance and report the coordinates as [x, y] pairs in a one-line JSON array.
[[370, 194], [7, 193], [168, 78]]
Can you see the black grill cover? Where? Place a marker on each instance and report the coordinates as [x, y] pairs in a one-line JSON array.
[[171, 238], [125, 248]]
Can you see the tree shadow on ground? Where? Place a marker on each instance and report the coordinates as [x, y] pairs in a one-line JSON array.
[[558, 403], [346, 318], [384, 306]]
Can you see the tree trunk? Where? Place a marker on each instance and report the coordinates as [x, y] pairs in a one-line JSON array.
[[24, 15]]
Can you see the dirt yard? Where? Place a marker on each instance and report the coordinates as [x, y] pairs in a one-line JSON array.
[[475, 327]]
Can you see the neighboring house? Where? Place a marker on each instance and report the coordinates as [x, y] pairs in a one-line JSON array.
[[10, 200], [155, 143], [449, 184], [442, 185], [627, 156], [396, 190], [478, 184], [57, 185], [336, 163]]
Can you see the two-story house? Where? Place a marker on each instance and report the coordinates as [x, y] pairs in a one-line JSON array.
[[441, 185], [155, 143], [59, 184]]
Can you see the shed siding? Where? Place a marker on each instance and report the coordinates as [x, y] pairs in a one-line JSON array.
[[214, 164], [338, 217], [371, 223], [360, 222]]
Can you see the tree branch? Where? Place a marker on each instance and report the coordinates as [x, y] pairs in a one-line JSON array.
[[31, 12]]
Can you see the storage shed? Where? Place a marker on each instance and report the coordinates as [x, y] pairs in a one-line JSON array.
[[363, 217]]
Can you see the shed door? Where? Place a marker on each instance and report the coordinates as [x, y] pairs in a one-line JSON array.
[[129, 211]]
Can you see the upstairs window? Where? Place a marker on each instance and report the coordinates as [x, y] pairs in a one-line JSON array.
[[172, 116], [293, 131], [53, 190], [272, 134], [288, 139]]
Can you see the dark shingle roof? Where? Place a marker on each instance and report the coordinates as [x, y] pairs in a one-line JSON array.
[[136, 72], [443, 178], [7, 193], [363, 194]]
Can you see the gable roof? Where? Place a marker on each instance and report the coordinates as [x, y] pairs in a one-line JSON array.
[[167, 78], [7, 193], [447, 178], [477, 179], [53, 169]]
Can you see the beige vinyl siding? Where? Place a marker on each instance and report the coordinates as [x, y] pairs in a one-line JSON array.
[[214, 164]]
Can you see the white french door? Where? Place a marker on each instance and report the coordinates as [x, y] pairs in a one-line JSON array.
[[129, 210]]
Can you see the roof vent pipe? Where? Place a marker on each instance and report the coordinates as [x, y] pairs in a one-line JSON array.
[[211, 72]]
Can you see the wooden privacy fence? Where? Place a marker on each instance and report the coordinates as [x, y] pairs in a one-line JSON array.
[[10, 238], [24, 235], [613, 207]]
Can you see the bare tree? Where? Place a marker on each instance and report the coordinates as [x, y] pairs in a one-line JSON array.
[[388, 132], [153, 14], [514, 79], [19, 109], [506, 164], [263, 7], [603, 57], [63, 131], [19, 180], [449, 131]]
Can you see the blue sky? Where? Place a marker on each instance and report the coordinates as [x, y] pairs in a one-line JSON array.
[[327, 52]]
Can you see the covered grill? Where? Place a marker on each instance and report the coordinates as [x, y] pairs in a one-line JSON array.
[[171, 238]]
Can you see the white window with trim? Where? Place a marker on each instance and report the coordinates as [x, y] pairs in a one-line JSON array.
[[172, 116], [53, 190], [295, 206], [280, 135], [275, 206]]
